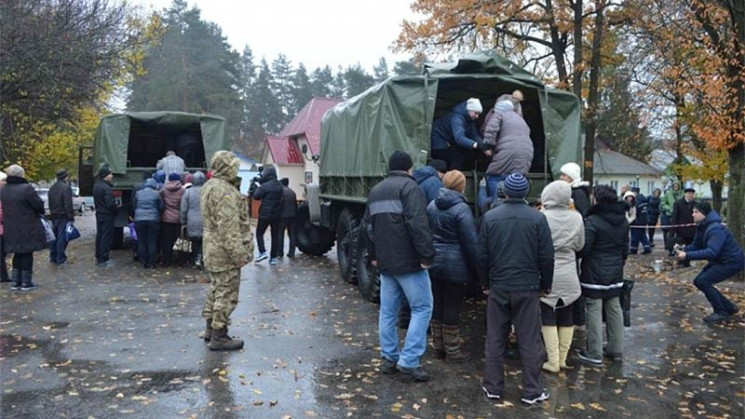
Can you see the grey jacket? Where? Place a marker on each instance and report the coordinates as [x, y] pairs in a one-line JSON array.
[[148, 203], [171, 164], [568, 236], [190, 213], [508, 136]]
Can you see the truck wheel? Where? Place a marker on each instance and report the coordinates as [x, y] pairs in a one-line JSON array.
[[368, 277], [118, 238], [346, 245], [311, 239]]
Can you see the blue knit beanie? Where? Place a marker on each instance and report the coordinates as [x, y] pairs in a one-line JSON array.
[[516, 186], [174, 176]]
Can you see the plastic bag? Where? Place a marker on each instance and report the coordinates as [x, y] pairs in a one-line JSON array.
[[71, 233], [625, 300], [132, 231], [183, 244], [48, 231]]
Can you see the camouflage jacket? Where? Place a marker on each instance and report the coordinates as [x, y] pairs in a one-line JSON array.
[[228, 240]]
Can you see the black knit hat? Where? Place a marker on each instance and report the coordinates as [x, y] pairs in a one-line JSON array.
[[400, 160], [62, 174], [103, 171], [703, 207]]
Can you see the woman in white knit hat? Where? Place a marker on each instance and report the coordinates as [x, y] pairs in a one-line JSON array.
[[571, 173]]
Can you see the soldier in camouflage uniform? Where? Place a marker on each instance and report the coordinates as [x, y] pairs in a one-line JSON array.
[[228, 246]]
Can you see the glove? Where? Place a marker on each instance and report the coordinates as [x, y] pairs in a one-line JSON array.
[[483, 147]]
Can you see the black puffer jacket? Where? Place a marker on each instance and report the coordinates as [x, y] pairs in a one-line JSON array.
[[60, 201], [581, 198], [455, 237], [683, 214], [397, 229], [289, 209], [271, 195], [22, 212], [516, 248], [103, 198], [605, 251]]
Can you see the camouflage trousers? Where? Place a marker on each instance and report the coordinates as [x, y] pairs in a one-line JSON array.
[[222, 297]]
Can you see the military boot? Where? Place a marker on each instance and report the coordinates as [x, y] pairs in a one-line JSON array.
[[208, 331], [453, 352], [220, 341], [437, 343]]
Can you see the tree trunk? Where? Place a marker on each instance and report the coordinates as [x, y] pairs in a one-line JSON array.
[[736, 198], [593, 94], [557, 47], [716, 195], [577, 75]]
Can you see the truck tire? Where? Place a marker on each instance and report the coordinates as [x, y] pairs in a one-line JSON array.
[[368, 277], [118, 238], [311, 239], [347, 231]]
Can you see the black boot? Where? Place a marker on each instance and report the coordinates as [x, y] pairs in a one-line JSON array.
[[222, 342], [15, 277], [208, 331], [27, 283]]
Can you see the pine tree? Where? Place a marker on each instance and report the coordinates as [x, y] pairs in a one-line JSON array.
[[338, 86], [321, 83], [303, 89], [357, 80], [380, 71], [283, 86]]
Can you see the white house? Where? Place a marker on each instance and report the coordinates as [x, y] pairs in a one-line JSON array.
[[662, 159], [615, 169]]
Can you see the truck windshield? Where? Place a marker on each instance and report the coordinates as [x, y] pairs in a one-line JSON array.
[[149, 142]]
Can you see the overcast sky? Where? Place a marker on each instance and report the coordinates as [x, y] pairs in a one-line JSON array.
[[314, 32]]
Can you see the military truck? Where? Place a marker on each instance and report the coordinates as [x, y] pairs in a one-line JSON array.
[[132, 143], [358, 136]]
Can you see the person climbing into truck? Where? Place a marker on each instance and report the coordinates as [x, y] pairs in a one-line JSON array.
[[171, 163], [516, 97], [456, 133], [507, 135]]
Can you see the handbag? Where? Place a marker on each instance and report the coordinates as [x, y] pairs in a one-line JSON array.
[[71, 233], [183, 244], [48, 231]]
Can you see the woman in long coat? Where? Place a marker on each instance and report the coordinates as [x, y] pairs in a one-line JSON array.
[[568, 235], [23, 231]]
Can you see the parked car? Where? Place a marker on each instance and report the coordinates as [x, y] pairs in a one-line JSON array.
[[81, 204]]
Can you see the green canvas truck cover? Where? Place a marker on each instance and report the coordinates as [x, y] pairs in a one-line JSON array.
[[112, 136], [358, 135]]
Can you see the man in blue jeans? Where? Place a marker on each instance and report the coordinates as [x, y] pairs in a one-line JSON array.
[[713, 242], [400, 245]]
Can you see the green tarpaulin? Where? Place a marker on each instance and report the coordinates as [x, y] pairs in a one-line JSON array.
[[358, 135], [113, 134]]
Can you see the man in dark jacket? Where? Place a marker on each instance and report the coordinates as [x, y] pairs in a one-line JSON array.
[[653, 213], [713, 242], [106, 207], [456, 133], [429, 178], [271, 195], [638, 230], [517, 251], [603, 259], [400, 245], [683, 214], [60, 210], [289, 211]]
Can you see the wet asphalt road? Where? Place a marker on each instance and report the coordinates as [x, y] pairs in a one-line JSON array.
[[124, 342]]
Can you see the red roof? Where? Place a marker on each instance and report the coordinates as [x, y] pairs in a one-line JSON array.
[[284, 150], [308, 122]]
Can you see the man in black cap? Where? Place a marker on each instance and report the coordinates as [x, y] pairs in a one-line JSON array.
[[400, 245], [60, 209], [103, 199], [516, 252], [713, 242], [683, 216]]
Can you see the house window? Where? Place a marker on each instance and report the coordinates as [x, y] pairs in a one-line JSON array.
[[614, 184], [650, 187], [308, 178]]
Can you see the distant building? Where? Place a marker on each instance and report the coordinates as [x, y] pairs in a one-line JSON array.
[[663, 159], [294, 150], [247, 171], [615, 169]]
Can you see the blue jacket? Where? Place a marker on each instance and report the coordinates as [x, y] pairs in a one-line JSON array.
[[428, 180], [455, 237], [455, 129], [653, 209], [148, 203], [715, 243]]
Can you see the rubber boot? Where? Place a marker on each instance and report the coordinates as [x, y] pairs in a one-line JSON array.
[[551, 340], [15, 277], [566, 334], [208, 331], [451, 340], [437, 343], [220, 341], [26, 283]]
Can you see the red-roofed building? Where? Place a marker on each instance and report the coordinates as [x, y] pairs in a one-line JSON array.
[[286, 150]]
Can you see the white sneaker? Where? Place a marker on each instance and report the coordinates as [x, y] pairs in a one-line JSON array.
[[261, 257], [544, 396], [491, 396]]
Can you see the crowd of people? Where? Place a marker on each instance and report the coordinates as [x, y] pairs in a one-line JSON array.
[[545, 271]]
